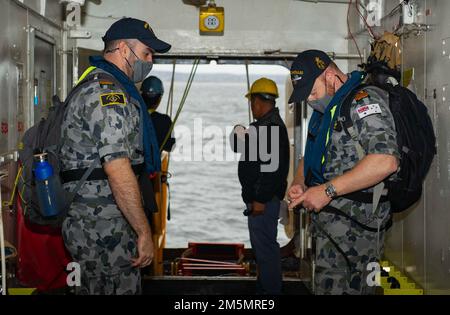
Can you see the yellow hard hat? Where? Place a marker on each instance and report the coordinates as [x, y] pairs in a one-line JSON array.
[[263, 86]]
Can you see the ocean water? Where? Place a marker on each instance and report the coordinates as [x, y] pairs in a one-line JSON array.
[[206, 203]]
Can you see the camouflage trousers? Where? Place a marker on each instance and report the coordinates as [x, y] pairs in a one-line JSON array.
[[334, 275], [104, 249]]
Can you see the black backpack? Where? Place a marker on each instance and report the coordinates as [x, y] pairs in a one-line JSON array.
[[42, 137], [45, 137], [416, 141]]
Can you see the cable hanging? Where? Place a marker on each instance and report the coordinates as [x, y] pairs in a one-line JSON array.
[[169, 110], [183, 101], [250, 118]]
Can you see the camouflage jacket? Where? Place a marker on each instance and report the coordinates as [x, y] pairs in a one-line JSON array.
[[375, 127], [100, 123]]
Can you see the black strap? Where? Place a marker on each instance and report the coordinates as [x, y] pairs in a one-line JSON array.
[[338, 248], [364, 197], [169, 214], [346, 122], [333, 210], [97, 174], [344, 115], [96, 200]]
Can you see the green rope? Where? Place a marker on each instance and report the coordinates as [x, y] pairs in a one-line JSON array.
[[183, 101], [172, 85]]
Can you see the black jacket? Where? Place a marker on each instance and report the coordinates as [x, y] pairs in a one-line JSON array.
[[162, 124], [258, 185]]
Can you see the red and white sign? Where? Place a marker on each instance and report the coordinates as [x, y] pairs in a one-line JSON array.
[[5, 128]]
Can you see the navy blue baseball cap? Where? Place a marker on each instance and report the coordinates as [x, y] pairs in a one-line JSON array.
[[307, 67], [129, 28]]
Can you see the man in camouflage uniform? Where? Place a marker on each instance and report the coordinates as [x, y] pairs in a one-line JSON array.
[[106, 230], [346, 242]]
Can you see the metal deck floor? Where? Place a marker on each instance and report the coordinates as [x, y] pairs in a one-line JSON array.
[[170, 285]]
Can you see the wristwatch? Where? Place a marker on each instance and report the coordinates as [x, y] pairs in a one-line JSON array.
[[331, 191]]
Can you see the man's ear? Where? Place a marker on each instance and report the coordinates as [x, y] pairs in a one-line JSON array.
[[329, 82], [123, 49], [329, 75]]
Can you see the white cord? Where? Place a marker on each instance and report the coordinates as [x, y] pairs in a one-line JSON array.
[[2, 240]]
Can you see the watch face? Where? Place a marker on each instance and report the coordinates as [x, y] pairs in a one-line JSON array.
[[331, 192]]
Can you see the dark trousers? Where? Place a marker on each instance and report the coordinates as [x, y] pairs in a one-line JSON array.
[[263, 237]]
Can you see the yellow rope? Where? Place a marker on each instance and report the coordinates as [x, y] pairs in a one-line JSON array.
[[16, 183]]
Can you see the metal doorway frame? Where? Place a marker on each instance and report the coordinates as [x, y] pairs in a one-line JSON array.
[[33, 34], [301, 118]]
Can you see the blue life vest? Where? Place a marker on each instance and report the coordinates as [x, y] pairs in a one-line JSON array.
[[321, 129]]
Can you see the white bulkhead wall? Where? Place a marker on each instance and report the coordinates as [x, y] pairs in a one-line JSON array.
[[419, 241], [251, 26], [21, 23], [51, 9]]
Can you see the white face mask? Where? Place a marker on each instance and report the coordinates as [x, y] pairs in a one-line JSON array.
[[141, 69]]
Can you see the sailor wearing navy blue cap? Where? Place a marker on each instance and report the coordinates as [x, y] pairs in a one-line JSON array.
[[107, 127], [135, 42], [306, 68], [351, 149]]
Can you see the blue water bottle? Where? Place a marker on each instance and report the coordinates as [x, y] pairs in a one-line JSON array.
[[48, 187]]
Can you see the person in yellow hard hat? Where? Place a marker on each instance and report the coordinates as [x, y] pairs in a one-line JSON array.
[[264, 180]]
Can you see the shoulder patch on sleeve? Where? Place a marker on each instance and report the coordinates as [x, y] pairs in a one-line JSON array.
[[110, 99], [368, 110], [361, 95], [107, 85]]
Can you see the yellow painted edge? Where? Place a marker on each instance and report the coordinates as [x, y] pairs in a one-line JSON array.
[[408, 288], [403, 292], [404, 284], [21, 291]]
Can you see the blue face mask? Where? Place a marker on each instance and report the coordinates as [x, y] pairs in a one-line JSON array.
[[321, 104]]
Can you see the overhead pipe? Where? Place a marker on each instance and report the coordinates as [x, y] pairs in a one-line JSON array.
[[326, 1], [267, 55]]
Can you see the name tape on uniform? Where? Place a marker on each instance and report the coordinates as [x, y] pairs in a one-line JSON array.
[[368, 110]]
